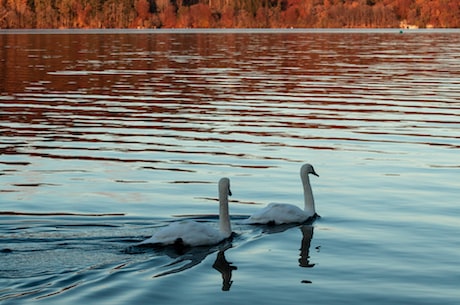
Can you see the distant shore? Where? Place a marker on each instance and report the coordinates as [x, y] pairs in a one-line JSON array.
[[152, 14]]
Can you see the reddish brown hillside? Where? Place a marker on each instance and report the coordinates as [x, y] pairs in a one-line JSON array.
[[228, 14]]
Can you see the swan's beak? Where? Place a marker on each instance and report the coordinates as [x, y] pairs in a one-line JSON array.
[[314, 173], [229, 192]]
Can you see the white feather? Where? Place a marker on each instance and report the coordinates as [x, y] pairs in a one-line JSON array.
[[282, 213], [192, 233]]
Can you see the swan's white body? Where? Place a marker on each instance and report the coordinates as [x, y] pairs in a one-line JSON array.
[[283, 213], [194, 234]]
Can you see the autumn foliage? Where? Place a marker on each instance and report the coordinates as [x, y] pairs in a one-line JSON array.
[[228, 14]]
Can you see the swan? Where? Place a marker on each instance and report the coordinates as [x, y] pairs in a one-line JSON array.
[[190, 233], [283, 213]]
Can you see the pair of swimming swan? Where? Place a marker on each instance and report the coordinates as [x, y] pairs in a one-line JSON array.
[[193, 234]]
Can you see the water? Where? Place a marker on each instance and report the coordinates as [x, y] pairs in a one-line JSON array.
[[107, 136]]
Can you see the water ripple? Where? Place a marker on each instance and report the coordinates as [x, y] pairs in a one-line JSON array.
[[106, 137]]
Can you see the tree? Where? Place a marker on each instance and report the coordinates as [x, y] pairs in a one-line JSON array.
[[168, 16], [46, 14], [200, 15], [143, 9], [67, 14], [227, 13]]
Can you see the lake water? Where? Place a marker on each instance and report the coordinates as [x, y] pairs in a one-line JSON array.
[[105, 136]]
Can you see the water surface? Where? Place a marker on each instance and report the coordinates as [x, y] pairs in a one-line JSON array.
[[107, 136]]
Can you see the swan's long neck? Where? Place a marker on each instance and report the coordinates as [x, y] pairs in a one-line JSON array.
[[224, 217], [309, 201]]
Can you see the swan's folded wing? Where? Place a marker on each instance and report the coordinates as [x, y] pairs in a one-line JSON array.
[[278, 213], [190, 232], [201, 234], [169, 234]]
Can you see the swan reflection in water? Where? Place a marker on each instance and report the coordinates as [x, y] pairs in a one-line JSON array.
[[307, 236], [195, 257], [225, 268], [304, 259], [186, 258]]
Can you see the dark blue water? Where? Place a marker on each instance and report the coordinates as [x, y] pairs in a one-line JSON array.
[[107, 136]]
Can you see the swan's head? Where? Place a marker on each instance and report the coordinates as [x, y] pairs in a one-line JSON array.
[[307, 169], [224, 186]]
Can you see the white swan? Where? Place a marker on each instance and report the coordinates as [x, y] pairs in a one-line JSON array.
[[192, 233], [282, 213]]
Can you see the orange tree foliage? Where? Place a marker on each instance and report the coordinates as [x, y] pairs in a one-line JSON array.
[[228, 13]]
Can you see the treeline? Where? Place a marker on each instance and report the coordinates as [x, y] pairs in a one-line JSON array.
[[228, 13]]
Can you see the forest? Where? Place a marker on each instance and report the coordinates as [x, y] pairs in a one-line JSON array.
[[86, 14]]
